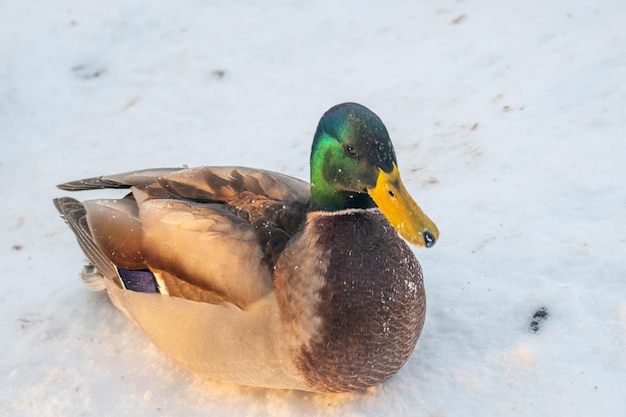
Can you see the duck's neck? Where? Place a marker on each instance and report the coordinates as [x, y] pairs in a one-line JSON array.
[[325, 199]]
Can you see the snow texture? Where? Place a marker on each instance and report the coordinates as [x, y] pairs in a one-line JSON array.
[[508, 119]]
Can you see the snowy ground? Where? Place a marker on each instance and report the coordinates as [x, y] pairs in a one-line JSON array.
[[509, 121]]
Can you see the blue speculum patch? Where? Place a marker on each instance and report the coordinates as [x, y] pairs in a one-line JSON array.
[[141, 280]]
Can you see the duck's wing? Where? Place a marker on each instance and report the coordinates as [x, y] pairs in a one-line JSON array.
[[209, 234]]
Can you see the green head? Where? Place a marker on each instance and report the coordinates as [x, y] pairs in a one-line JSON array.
[[353, 165]]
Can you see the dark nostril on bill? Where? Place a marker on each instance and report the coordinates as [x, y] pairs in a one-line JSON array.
[[429, 239]]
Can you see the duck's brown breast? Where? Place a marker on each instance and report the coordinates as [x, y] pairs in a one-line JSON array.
[[365, 302]]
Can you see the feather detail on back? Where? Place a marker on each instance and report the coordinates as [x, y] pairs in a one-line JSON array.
[[238, 215]]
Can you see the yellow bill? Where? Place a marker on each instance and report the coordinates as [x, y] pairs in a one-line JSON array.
[[402, 212]]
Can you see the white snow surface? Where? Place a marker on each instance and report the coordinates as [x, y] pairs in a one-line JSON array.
[[509, 122]]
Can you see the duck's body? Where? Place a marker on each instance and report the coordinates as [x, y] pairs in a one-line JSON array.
[[240, 275]]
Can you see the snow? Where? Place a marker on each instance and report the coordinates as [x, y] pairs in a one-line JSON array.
[[508, 121]]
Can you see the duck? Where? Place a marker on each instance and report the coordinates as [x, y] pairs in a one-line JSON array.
[[258, 278]]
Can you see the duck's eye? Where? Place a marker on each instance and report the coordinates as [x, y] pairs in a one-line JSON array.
[[350, 150]]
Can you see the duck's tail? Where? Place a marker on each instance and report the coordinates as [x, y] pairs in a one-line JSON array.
[[75, 215]]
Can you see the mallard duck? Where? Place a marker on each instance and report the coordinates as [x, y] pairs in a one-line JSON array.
[[261, 279]]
